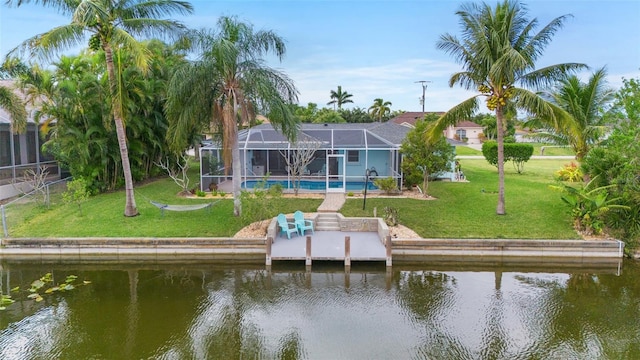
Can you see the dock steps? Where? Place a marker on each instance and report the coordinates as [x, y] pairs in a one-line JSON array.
[[327, 222]]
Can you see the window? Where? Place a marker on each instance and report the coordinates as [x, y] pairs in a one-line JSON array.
[[353, 156]]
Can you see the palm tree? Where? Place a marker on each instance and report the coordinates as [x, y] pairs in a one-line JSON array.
[[10, 102], [339, 98], [380, 109], [226, 86], [585, 104], [112, 25], [498, 51]]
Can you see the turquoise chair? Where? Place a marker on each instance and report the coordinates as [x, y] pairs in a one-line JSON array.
[[286, 227], [301, 223]]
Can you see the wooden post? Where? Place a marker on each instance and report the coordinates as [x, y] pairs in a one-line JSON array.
[[308, 258], [347, 251], [388, 246], [347, 277], [268, 283], [268, 251]]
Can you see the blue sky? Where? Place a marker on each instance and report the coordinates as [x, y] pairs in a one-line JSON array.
[[381, 48]]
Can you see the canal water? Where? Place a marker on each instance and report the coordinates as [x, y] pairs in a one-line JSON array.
[[240, 311]]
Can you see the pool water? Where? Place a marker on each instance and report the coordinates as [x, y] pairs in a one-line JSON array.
[[310, 184]]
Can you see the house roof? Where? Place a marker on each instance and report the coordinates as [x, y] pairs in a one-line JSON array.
[[468, 124], [332, 136], [410, 118]]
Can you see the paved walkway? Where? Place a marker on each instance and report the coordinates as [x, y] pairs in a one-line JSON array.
[[332, 202]]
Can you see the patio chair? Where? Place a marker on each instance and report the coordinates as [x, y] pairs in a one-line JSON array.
[[286, 227], [301, 223]]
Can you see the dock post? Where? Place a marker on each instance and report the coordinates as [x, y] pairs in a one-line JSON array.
[[308, 257], [347, 251], [268, 251], [347, 277], [388, 245]]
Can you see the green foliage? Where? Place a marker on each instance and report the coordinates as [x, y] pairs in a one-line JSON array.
[[424, 157], [615, 162], [589, 205], [257, 205], [490, 152], [388, 185], [77, 193], [516, 152], [350, 194], [46, 283], [339, 97], [328, 116], [200, 193], [355, 115], [390, 215], [570, 172]]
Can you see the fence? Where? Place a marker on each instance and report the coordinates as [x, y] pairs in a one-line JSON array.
[[16, 211]]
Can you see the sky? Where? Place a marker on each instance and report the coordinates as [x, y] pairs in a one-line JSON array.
[[382, 48]]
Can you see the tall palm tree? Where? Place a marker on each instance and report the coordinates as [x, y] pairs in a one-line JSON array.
[[339, 98], [112, 25], [498, 51], [585, 103], [380, 109], [226, 86], [12, 103]]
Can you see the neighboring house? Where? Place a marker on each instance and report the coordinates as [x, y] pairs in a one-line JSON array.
[[410, 118], [345, 154], [20, 152], [464, 130]]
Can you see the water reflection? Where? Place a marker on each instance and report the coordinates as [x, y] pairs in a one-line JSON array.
[[221, 311]]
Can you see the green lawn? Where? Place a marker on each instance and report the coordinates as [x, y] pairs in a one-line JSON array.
[[461, 210], [467, 210], [103, 216], [465, 150], [549, 150]]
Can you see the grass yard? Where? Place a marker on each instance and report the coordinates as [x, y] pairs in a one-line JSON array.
[[549, 150], [461, 210], [467, 210], [103, 215], [465, 150]]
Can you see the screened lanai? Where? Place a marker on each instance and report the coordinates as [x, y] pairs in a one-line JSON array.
[[339, 156]]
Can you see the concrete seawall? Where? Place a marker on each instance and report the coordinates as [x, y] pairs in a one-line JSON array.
[[165, 249]]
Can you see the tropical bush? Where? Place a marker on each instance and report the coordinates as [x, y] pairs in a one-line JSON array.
[[589, 205], [515, 152], [388, 185], [570, 172]]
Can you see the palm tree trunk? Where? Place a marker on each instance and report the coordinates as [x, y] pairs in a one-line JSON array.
[[237, 173], [130, 208], [500, 210]]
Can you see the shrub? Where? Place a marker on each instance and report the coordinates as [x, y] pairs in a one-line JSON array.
[[390, 216], [516, 152], [570, 172], [388, 185], [200, 193], [350, 193], [77, 192]]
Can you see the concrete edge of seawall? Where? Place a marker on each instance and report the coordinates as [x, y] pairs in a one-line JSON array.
[[159, 249]]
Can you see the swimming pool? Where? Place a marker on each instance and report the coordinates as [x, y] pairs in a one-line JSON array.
[[311, 184]]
